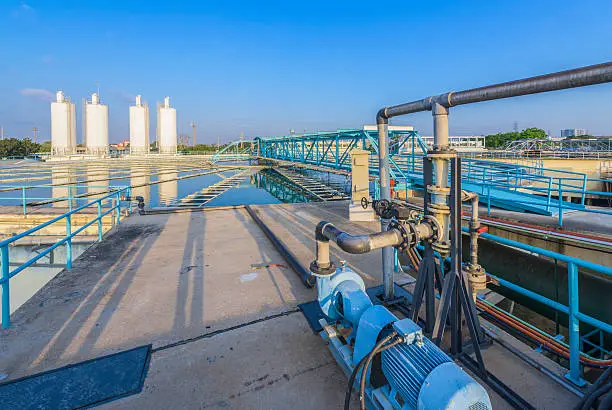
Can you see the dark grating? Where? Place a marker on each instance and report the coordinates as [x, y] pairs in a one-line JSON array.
[[478, 406]]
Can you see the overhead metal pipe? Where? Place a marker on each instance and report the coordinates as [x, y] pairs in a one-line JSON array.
[[579, 77]]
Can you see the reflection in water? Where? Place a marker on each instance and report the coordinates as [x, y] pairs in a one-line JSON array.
[[168, 191], [278, 187], [140, 177], [63, 177], [97, 181]]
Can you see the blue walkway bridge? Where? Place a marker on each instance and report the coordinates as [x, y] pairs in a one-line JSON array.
[[510, 186]]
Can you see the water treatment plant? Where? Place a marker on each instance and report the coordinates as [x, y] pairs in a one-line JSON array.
[[368, 267]]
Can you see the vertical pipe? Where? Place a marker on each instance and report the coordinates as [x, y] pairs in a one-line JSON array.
[[440, 115], [6, 301], [99, 220], [574, 325], [68, 242], [385, 193]]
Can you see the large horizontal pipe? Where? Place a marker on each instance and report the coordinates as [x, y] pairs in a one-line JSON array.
[[579, 77], [357, 243], [307, 279]]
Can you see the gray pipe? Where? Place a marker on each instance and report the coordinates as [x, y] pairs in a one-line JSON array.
[[355, 244], [579, 77], [385, 193]]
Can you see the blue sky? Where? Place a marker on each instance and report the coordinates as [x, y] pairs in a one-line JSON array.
[[264, 68]]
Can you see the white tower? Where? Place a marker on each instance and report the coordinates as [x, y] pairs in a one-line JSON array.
[[139, 127], [166, 127], [63, 126], [96, 126]]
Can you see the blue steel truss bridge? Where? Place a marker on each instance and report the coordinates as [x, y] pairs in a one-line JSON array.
[[510, 186]]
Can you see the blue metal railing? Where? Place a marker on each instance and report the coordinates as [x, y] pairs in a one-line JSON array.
[[26, 198], [572, 310], [113, 198]]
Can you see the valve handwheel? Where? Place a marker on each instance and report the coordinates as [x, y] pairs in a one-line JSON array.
[[365, 202]]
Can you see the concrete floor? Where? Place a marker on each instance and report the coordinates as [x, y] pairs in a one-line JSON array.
[[225, 332]]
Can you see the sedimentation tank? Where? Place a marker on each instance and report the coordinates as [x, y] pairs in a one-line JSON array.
[[166, 127], [96, 126], [139, 127], [63, 126]]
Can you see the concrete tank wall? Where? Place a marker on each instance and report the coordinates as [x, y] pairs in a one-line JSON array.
[[139, 127], [166, 123], [96, 126], [63, 126]]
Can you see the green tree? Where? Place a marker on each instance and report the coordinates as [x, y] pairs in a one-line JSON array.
[[502, 138], [14, 147]]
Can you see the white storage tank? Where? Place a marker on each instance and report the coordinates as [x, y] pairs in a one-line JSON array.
[[139, 127], [166, 127], [63, 126], [96, 126]]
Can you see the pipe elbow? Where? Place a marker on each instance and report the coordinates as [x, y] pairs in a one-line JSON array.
[[353, 244], [381, 116], [319, 236]]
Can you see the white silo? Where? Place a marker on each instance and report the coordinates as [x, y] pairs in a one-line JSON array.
[[96, 126], [166, 127], [63, 126], [139, 127]]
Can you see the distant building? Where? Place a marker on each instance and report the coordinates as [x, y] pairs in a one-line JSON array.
[[572, 132]]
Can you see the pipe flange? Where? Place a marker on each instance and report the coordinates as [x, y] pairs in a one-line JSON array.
[[407, 233], [441, 153], [442, 247], [434, 189], [318, 271], [439, 209], [435, 228]]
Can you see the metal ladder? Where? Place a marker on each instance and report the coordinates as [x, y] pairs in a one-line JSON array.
[[312, 187], [201, 198]]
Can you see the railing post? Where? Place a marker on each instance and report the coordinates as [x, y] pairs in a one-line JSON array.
[[129, 195], [99, 220], [69, 198], [489, 200], [584, 187], [560, 205], [6, 301], [574, 325], [118, 207], [68, 242], [549, 193], [23, 199]]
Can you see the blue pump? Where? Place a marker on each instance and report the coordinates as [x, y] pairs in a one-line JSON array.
[[416, 373]]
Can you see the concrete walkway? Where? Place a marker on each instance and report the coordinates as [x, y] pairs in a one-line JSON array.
[[222, 320]]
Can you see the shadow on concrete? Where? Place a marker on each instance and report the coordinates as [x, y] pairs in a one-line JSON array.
[[94, 286], [191, 272]]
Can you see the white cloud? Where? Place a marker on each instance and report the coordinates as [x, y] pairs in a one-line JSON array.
[[22, 10], [38, 94]]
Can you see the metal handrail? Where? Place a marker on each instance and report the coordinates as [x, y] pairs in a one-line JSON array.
[[573, 309], [24, 198], [115, 197]]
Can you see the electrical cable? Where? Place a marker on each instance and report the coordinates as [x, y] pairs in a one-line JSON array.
[[605, 402], [603, 378], [349, 390], [380, 346], [588, 403]]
